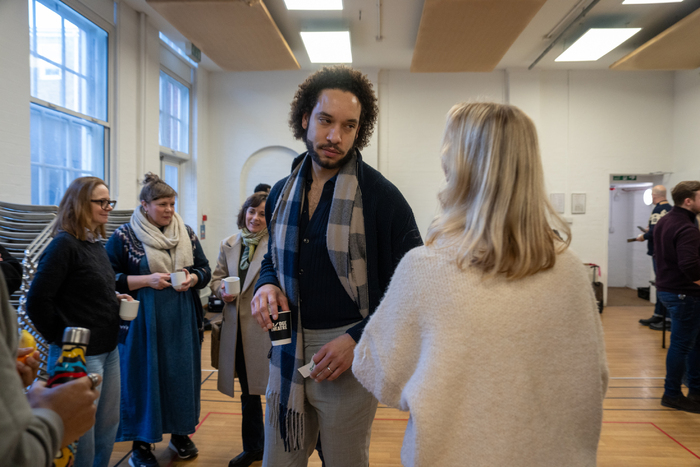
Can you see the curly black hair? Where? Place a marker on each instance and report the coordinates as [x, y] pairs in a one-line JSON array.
[[335, 77]]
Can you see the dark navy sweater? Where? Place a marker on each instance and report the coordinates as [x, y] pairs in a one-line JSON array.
[[677, 252], [75, 286], [390, 232]]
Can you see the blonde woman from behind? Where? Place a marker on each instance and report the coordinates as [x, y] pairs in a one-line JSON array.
[[489, 335]]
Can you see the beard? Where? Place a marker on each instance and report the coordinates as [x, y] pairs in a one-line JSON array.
[[327, 164]]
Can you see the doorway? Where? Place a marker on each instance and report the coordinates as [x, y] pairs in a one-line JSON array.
[[629, 265]]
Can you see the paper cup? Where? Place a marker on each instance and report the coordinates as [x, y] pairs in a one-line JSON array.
[[231, 285], [177, 279], [128, 309], [281, 332]]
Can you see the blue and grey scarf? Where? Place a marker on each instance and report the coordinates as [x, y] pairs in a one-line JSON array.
[[345, 240]]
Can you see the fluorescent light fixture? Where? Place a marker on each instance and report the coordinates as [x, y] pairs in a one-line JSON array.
[[646, 2], [595, 43], [314, 4], [328, 46]]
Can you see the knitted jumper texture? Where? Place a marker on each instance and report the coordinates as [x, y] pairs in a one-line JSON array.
[[493, 371]]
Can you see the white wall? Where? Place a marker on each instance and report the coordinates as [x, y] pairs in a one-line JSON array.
[[686, 125], [15, 175], [412, 111], [590, 123]]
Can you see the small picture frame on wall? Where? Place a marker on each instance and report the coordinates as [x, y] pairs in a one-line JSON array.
[[557, 200], [578, 203]]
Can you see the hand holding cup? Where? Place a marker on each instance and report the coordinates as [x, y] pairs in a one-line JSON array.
[[178, 279]]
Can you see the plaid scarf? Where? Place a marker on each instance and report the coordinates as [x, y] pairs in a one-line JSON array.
[[345, 240]]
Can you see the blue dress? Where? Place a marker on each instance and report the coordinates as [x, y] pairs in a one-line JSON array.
[[161, 354]]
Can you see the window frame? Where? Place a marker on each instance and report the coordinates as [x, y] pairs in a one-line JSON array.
[[110, 29], [186, 200], [165, 151]]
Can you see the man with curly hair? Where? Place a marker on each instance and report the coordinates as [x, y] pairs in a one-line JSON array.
[[338, 229]]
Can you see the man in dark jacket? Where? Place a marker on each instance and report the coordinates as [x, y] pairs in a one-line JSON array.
[[338, 229], [661, 208], [677, 250]]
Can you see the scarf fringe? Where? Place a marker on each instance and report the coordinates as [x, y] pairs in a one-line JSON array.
[[289, 422]]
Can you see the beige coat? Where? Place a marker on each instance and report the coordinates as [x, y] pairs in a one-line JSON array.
[[256, 342]]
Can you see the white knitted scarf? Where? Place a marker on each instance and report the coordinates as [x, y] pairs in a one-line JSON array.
[[168, 250]]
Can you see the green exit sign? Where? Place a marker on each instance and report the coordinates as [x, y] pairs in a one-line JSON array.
[[624, 177], [194, 53]]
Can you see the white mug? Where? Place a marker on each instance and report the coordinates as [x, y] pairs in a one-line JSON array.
[[128, 309], [231, 285], [177, 279]]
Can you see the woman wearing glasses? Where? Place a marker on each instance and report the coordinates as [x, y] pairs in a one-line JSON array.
[[75, 286], [161, 354]]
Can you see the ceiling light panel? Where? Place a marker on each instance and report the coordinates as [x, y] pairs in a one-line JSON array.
[[595, 43], [328, 46], [646, 2], [314, 4]]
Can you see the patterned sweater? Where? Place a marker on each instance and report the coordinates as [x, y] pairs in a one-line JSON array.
[[494, 372], [126, 252]]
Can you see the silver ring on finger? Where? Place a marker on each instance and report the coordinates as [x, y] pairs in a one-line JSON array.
[[94, 380], [329, 369]]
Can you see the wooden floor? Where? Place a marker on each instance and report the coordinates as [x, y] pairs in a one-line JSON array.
[[625, 296], [637, 430]]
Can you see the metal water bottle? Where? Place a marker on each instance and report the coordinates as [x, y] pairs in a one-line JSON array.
[[69, 366]]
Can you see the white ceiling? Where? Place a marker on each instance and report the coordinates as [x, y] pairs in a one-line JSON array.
[[400, 20]]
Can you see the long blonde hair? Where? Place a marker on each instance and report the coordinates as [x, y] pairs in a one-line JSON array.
[[494, 206]]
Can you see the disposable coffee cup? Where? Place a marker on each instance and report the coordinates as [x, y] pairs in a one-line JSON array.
[[177, 279], [128, 309], [231, 285], [281, 332]]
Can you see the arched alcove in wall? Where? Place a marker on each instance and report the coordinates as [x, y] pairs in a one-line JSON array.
[[267, 165]]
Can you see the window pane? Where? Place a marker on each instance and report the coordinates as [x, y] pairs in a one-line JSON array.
[[49, 82], [61, 40], [172, 178], [63, 148], [75, 44], [174, 114], [48, 24]]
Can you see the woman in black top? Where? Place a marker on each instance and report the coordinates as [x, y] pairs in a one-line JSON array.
[[75, 286]]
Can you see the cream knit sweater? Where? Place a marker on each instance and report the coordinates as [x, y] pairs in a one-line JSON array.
[[494, 372]]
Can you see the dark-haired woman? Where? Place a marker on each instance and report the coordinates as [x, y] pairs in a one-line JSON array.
[[244, 346], [161, 352], [74, 286]]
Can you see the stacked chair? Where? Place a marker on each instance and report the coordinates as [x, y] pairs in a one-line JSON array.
[[25, 233], [116, 219]]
